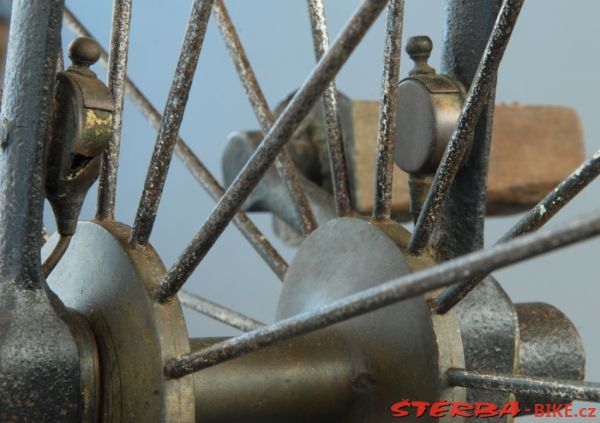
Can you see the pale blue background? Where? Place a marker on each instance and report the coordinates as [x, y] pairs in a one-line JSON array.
[[553, 58]]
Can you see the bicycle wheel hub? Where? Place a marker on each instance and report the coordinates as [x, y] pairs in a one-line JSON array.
[[352, 371]]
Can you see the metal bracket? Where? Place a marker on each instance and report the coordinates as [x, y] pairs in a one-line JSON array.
[[82, 126]]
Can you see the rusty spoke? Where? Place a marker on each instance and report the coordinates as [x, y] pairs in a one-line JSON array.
[[198, 170], [528, 385], [386, 136], [171, 121], [218, 312], [269, 148], [533, 220], [283, 163], [117, 72], [459, 141], [371, 299], [329, 101]]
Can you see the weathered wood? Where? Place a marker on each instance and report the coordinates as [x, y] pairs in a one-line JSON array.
[[533, 149]]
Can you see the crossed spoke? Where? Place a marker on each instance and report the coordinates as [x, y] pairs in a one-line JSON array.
[[458, 144], [198, 170], [371, 299], [273, 142]]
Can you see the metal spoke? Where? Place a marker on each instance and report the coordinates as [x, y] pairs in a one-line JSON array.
[[283, 163], [371, 299], [386, 136], [117, 65], [218, 312], [335, 137], [171, 121], [269, 148], [528, 385], [459, 141], [533, 220], [193, 164]]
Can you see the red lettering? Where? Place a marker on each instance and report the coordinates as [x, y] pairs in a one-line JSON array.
[[486, 409], [557, 410], [439, 408], [569, 410], [510, 409], [421, 407], [539, 410], [461, 409], [397, 408]]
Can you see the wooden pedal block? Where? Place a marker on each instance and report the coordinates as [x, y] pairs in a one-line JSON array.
[[533, 149]]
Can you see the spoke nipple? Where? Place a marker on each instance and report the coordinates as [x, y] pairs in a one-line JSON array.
[[419, 49], [84, 52]]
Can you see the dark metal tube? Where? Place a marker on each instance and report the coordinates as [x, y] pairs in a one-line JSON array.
[[171, 121], [24, 125], [526, 385], [409, 286], [533, 220], [333, 127], [193, 164], [283, 163], [386, 142], [269, 148], [478, 95], [117, 73]]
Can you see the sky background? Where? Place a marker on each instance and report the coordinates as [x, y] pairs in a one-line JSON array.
[[552, 59]]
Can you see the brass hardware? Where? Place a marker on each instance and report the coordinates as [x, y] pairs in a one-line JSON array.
[[429, 105], [83, 109]]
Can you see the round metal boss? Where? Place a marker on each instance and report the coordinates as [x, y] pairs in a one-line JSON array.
[[405, 346], [429, 105], [111, 284]]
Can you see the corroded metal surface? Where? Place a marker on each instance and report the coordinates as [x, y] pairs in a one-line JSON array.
[[40, 373], [331, 118], [344, 284], [271, 193], [283, 162], [447, 243], [171, 121], [527, 385], [135, 335], [549, 346], [399, 342], [119, 49], [388, 293], [534, 219], [534, 148], [386, 135], [198, 170], [490, 335], [218, 312], [273, 142], [82, 129]]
